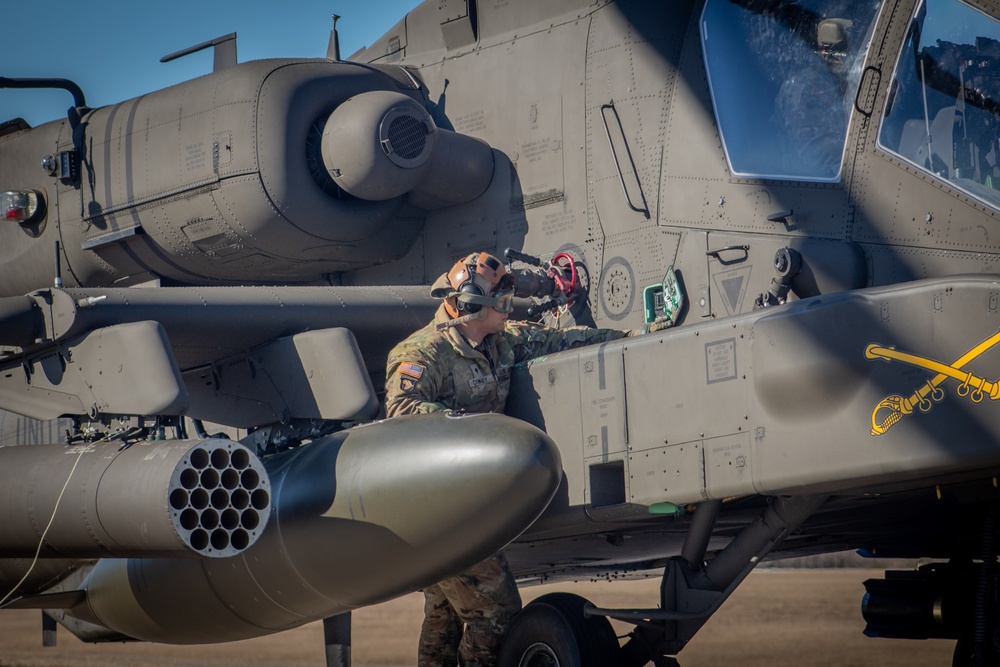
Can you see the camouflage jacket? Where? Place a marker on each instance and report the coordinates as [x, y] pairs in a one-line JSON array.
[[439, 370]]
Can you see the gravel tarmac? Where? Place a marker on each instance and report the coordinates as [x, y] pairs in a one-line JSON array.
[[777, 618]]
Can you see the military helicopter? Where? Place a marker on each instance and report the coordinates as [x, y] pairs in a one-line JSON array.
[[804, 188]]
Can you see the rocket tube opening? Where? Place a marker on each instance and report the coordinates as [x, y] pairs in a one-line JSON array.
[[220, 499], [240, 459], [250, 479], [220, 459], [209, 519], [199, 499], [189, 519], [230, 519], [240, 499], [209, 478], [200, 459], [260, 499], [178, 499], [240, 539], [189, 479], [250, 519], [220, 539], [230, 478], [199, 540]]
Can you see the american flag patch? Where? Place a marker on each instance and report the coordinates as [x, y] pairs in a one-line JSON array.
[[411, 369]]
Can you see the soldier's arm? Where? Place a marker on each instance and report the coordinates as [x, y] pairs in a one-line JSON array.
[[412, 385], [533, 340]]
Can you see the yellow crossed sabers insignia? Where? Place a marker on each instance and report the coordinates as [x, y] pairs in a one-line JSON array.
[[897, 406]]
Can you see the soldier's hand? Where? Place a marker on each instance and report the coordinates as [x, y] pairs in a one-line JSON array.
[[660, 323]]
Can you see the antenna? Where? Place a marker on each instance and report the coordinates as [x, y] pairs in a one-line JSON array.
[[224, 49], [333, 48]]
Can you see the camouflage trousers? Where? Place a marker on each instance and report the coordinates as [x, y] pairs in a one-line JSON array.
[[484, 598]]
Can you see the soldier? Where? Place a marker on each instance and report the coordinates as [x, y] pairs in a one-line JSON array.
[[462, 361]]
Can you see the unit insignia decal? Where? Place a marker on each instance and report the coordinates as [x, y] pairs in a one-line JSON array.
[[894, 407]]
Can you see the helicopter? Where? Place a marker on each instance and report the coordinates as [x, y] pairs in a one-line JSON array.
[[803, 189]]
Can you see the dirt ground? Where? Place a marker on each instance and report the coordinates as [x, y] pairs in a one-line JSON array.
[[777, 618]]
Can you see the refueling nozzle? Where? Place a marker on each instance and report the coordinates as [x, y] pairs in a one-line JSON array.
[[787, 264]]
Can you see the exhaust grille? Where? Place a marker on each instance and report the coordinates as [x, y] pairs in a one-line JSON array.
[[407, 137]]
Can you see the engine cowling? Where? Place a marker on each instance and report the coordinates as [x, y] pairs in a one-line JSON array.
[[269, 171]]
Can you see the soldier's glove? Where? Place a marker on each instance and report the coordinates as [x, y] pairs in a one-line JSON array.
[[660, 323]]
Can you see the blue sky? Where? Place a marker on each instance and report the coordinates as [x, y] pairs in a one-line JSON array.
[[112, 48]]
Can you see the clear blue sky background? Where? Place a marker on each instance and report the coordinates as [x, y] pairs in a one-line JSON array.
[[112, 48]]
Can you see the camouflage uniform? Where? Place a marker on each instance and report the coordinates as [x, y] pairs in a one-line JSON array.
[[485, 598], [439, 370]]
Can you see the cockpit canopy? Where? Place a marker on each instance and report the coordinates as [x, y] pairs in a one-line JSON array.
[[783, 77], [942, 113]]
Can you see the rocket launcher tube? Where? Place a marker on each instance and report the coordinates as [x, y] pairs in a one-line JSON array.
[[361, 516], [209, 498]]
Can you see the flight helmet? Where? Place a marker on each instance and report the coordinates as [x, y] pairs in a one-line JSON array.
[[473, 282]]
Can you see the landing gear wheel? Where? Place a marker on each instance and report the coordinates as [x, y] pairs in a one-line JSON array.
[[552, 632], [967, 655]]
